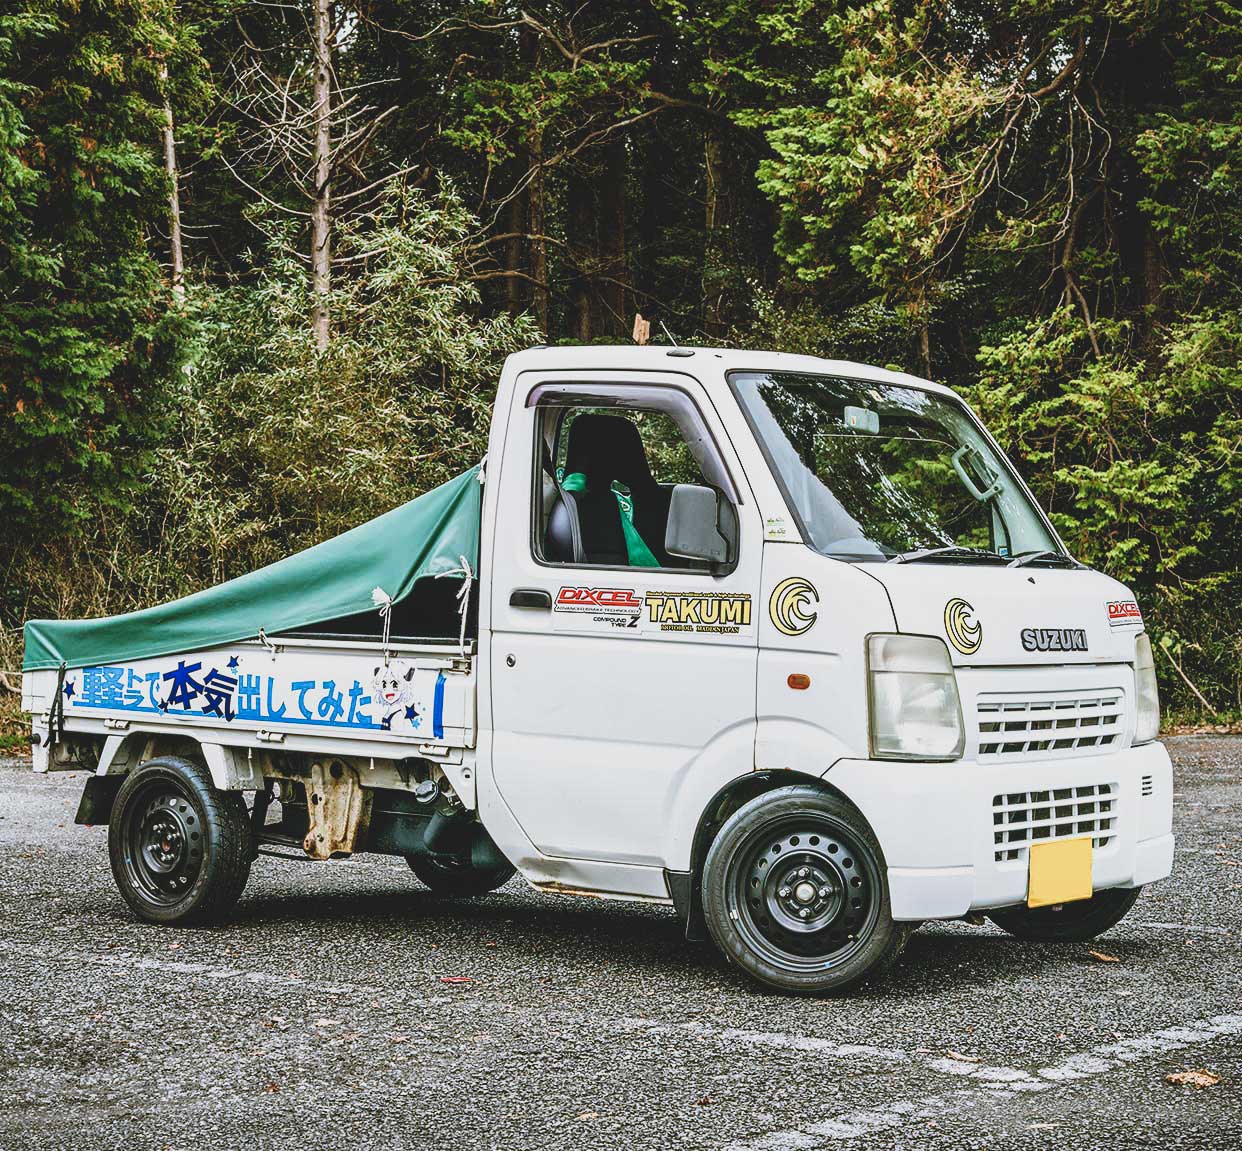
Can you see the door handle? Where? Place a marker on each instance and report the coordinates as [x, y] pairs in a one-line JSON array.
[[531, 597]]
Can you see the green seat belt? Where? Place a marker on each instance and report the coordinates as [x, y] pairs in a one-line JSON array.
[[636, 549]]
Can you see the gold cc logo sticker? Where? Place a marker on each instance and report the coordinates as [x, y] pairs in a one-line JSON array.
[[790, 605], [964, 631]]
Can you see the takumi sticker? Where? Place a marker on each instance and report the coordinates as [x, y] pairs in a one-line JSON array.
[[724, 613]]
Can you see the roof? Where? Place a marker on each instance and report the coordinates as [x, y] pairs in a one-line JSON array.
[[705, 363]]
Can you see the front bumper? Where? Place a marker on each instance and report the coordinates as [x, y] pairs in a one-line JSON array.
[[945, 829]]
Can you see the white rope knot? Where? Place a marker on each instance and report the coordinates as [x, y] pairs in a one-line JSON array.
[[463, 595], [382, 600]]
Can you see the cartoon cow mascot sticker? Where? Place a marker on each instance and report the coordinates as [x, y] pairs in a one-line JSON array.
[[393, 685]]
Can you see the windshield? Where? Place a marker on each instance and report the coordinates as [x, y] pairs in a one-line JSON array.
[[878, 471]]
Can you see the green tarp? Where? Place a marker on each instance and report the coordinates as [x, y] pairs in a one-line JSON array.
[[426, 537]]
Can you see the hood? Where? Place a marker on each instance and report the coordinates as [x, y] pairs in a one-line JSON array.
[[992, 615]]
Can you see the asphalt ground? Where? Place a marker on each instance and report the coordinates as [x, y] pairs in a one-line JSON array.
[[320, 1016]]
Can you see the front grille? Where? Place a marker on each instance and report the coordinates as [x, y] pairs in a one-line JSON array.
[[1049, 724], [1025, 817]]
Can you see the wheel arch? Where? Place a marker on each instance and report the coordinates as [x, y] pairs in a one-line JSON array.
[[685, 887], [230, 767]]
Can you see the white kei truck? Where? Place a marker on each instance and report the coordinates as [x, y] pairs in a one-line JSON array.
[[782, 642]]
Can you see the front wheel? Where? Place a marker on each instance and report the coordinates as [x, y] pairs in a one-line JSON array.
[[795, 893], [180, 849], [1068, 922], [459, 880]]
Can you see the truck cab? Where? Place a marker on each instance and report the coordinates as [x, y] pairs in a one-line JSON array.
[[783, 642]]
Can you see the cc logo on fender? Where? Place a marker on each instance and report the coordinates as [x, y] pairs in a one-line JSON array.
[[791, 605], [964, 631]]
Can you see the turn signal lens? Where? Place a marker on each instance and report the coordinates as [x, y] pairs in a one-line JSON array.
[[1147, 694], [798, 681], [915, 710]]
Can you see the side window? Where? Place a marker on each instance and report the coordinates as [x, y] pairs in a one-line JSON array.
[[668, 455], [606, 478]]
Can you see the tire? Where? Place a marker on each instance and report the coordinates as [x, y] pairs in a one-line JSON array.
[[459, 881], [1068, 922], [180, 849], [755, 890]]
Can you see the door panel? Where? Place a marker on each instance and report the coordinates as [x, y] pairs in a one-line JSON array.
[[604, 703]]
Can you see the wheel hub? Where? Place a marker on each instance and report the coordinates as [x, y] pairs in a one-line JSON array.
[[806, 893], [802, 889], [164, 845]]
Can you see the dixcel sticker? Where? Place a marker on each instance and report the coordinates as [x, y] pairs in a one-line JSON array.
[[1124, 612], [612, 607], [964, 631], [1054, 639], [791, 606]]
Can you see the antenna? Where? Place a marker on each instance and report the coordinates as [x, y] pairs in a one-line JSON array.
[[672, 341]]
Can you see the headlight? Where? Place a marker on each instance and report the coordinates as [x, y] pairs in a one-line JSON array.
[[915, 712], [1147, 721]]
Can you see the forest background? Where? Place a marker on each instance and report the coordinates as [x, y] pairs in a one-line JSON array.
[[260, 260]]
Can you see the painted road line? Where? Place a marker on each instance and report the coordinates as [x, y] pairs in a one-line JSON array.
[[1089, 1064]]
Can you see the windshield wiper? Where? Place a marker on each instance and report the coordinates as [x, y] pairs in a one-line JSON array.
[[952, 550], [1024, 558]]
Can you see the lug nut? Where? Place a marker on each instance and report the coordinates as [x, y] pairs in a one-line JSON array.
[[783, 893], [803, 873], [825, 891], [804, 913]]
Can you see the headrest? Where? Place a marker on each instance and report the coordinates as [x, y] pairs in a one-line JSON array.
[[607, 449]]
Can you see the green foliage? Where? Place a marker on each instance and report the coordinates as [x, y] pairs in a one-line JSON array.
[[87, 340], [276, 447], [279, 446]]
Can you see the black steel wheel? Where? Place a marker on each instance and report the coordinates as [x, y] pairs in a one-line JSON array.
[[445, 876], [180, 849], [795, 892], [1068, 922]]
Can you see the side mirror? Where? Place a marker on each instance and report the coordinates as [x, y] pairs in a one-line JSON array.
[[702, 525]]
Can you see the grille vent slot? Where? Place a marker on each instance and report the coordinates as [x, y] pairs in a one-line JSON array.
[[1147, 787], [1053, 724], [1025, 817]]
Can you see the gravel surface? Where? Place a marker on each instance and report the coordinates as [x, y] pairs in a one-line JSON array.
[[319, 1017]]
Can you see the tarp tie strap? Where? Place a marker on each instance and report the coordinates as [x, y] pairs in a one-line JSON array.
[[463, 596], [56, 721], [382, 600], [267, 643]]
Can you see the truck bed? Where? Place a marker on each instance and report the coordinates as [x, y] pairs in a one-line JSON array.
[[288, 692]]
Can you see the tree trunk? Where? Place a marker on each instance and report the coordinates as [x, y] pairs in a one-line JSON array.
[[321, 219], [581, 237], [515, 226], [713, 289], [174, 197], [536, 225], [613, 273]]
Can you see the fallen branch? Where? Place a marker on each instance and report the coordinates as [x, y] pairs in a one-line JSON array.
[[1186, 679]]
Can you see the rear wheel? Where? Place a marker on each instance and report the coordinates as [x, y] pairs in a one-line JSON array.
[[180, 849], [458, 880], [1068, 922], [795, 893]]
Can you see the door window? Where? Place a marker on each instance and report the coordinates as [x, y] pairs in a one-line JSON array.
[[607, 465]]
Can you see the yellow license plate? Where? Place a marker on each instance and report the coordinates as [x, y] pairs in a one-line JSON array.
[[1060, 872]]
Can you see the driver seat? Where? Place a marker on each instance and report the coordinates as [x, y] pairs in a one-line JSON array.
[[585, 526]]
